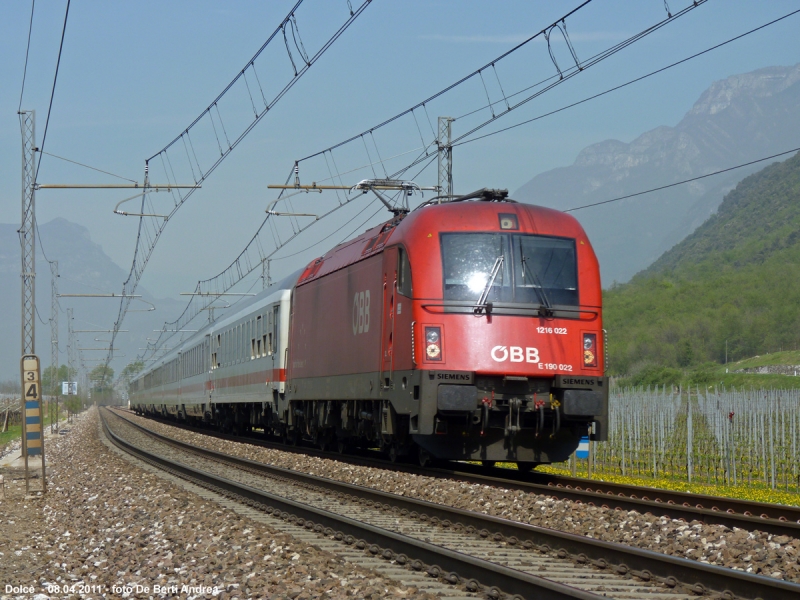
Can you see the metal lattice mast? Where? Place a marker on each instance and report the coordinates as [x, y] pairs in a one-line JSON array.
[[27, 237], [54, 336], [54, 323], [70, 347], [445, 151]]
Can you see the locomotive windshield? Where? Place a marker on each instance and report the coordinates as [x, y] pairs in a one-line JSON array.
[[534, 269]]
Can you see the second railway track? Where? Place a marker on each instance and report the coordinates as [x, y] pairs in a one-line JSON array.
[[775, 519], [463, 547]]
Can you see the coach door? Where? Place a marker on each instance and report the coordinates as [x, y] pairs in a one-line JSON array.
[[388, 321], [179, 378], [209, 355], [274, 346]]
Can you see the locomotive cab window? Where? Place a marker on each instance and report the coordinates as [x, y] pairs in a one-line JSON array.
[[510, 268], [403, 273]]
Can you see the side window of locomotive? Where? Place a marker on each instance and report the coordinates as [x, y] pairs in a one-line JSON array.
[[403, 273], [545, 270], [468, 260]]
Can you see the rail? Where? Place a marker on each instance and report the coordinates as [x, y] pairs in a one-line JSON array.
[[643, 564]]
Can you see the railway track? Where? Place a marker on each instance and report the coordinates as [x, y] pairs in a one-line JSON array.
[[771, 518], [468, 550]]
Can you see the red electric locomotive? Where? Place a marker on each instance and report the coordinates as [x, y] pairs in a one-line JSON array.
[[466, 330]]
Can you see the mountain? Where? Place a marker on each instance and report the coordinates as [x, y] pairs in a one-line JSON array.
[[83, 269], [732, 286], [734, 121]]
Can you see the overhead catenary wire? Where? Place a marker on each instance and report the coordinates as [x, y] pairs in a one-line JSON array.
[[422, 105], [27, 52], [573, 71], [179, 325], [421, 158], [52, 93], [75, 162], [632, 81], [564, 75], [669, 185], [468, 77], [149, 231]]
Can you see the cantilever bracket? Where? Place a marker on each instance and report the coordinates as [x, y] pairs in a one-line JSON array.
[[272, 204]]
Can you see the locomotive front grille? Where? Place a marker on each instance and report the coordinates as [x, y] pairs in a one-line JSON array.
[[506, 386]]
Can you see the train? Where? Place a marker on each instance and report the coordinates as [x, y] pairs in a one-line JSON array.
[[463, 330]]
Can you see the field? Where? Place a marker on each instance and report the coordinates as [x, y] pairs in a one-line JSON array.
[[742, 443], [786, 357], [15, 431]]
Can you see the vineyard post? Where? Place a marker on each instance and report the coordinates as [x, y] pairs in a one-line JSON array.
[[689, 465], [763, 446], [771, 447], [622, 421]]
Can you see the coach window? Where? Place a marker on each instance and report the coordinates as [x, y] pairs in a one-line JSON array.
[[269, 335], [276, 313], [258, 336], [403, 273]]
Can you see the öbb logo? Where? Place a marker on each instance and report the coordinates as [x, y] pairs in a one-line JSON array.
[[515, 354], [361, 312]]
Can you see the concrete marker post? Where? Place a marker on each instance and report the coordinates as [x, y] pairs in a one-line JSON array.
[[32, 423]]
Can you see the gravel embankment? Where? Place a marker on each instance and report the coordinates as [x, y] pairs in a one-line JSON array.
[[107, 526], [754, 552]]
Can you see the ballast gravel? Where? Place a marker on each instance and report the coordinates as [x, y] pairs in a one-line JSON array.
[[107, 528], [754, 552]]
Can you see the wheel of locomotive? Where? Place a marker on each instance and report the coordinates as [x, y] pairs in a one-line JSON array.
[[323, 440], [290, 437], [342, 447], [393, 453], [526, 467], [424, 458]]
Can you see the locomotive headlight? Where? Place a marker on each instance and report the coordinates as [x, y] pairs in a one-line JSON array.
[[477, 281], [433, 343], [589, 349]]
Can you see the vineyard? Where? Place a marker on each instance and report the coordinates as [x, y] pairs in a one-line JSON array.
[[714, 436]]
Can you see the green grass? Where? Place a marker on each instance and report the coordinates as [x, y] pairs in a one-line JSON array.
[[707, 376], [787, 357], [757, 381], [756, 492], [14, 433]]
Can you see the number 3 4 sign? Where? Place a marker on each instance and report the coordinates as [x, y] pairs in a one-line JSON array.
[[32, 405]]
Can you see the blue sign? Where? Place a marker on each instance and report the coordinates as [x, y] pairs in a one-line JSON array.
[[583, 448]]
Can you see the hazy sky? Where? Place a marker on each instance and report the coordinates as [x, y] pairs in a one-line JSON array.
[[135, 74]]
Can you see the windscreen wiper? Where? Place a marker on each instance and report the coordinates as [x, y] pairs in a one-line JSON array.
[[482, 305], [537, 284]]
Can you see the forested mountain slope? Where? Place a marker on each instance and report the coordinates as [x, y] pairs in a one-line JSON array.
[[736, 120], [736, 279]]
